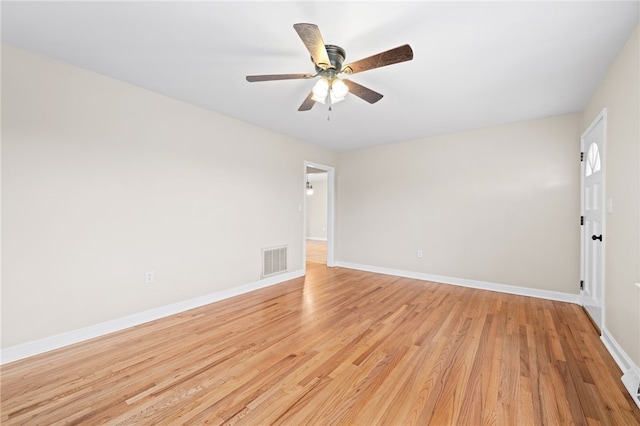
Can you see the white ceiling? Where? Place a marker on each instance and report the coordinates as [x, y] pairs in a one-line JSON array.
[[476, 64]]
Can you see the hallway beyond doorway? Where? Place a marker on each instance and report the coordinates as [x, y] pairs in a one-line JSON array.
[[317, 251]]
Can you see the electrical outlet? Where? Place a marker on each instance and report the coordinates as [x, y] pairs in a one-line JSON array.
[[149, 277], [419, 253]]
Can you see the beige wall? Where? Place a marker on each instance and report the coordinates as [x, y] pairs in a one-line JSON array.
[[499, 205], [620, 94], [102, 181]]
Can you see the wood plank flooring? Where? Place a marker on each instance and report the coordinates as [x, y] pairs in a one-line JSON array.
[[339, 347], [317, 251]]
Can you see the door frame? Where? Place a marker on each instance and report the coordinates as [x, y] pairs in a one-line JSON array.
[[330, 212], [602, 116]]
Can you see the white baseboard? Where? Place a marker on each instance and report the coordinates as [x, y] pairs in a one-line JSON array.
[[482, 285], [46, 344], [316, 239], [631, 372]]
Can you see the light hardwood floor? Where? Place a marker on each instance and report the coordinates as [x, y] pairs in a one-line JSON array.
[[317, 251], [337, 347]]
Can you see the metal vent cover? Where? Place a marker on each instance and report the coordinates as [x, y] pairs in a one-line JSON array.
[[274, 261]]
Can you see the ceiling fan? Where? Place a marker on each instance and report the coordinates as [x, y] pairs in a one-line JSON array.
[[328, 59]]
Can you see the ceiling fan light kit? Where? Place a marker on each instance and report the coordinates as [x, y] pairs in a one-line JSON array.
[[339, 90], [336, 89], [328, 59], [320, 90]]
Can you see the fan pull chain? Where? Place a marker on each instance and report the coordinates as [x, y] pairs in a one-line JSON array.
[[329, 114]]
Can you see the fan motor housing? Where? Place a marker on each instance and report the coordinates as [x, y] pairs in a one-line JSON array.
[[336, 57]]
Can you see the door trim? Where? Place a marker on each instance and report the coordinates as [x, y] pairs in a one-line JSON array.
[[602, 116], [330, 213]]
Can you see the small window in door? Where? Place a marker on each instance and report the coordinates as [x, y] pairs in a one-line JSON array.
[[593, 160]]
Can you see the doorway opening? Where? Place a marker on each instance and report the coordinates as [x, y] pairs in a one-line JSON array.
[[318, 214]]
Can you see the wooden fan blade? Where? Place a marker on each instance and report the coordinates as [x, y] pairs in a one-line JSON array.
[[389, 57], [362, 92], [312, 39], [308, 103], [271, 77]]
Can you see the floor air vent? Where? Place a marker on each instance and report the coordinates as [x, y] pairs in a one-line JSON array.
[[274, 260]]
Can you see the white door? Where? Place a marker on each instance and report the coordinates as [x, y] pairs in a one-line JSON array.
[[593, 206]]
